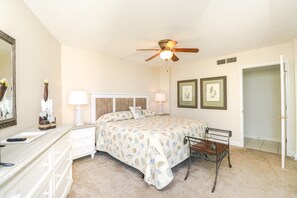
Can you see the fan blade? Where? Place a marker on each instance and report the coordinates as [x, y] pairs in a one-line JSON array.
[[170, 45], [174, 58], [153, 57], [147, 49], [192, 50]]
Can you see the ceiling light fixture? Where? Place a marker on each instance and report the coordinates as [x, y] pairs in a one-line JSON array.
[[166, 54]]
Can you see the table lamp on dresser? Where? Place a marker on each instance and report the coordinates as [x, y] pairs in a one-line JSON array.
[[78, 98]]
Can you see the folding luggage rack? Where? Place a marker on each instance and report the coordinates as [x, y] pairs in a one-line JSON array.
[[214, 147]]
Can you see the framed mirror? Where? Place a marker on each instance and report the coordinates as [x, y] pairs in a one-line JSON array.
[[8, 116]]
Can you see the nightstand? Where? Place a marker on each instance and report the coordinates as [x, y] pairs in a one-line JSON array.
[[83, 140]]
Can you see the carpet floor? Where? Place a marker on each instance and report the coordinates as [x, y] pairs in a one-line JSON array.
[[254, 174]]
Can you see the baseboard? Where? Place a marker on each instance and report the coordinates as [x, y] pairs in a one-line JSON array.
[[262, 138], [289, 154], [236, 143]]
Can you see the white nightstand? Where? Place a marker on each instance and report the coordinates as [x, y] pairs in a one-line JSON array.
[[83, 141]]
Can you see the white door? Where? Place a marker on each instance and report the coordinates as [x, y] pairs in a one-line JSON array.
[[283, 116]]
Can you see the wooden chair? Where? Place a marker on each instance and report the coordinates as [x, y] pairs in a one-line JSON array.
[[214, 147]]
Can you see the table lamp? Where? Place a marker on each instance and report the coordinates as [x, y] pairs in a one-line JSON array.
[[160, 97], [78, 98]]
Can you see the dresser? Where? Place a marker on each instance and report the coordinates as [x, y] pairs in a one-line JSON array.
[[83, 140], [43, 167]]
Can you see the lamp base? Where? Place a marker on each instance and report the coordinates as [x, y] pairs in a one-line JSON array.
[[78, 115], [160, 107]]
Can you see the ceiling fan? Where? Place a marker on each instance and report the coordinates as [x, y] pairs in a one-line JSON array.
[[167, 50]]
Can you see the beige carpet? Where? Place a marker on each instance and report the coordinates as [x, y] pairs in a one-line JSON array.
[[254, 174]]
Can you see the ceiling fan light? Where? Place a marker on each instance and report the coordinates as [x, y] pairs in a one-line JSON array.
[[166, 54]]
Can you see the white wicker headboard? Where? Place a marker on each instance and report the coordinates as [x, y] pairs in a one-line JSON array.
[[107, 103]]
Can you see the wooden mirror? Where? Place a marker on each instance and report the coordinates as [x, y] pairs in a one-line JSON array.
[[8, 116]]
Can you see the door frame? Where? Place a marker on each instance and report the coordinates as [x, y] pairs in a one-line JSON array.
[[241, 94]]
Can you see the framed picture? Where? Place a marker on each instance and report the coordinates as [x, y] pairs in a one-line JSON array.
[[213, 93], [187, 93]]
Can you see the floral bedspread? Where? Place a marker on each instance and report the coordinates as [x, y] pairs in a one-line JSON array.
[[153, 145]]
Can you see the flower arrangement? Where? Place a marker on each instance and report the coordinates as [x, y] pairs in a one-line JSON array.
[[46, 118], [4, 82]]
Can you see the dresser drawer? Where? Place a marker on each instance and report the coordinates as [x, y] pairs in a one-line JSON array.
[[83, 142], [79, 152], [83, 146], [46, 191], [64, 187], [80, 133], [30, 179], [62, 168], [60, 147]]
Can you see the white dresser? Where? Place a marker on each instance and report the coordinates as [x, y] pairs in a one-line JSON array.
[[43, 168], [83, 141]]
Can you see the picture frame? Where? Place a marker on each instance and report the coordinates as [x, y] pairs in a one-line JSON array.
[[187, 93], [213, 93]]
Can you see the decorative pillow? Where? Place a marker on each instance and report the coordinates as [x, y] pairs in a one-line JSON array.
[[123, 115], [148, 112], [137, 112], [115, 116]]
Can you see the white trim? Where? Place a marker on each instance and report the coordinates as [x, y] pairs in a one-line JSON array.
[[95, 95], [241, 125], [291, 154], [260, 65], [295, 157], [236, 143], [283, 109], [263, 138]]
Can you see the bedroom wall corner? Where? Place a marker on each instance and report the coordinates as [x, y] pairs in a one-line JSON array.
[[95, 72], [230, 118], [38, 56]]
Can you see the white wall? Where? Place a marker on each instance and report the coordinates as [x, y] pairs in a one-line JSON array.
[[95, 72], [37, 57], [231, 118], [261, 95]]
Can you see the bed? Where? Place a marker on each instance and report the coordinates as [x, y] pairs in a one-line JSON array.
[[152, 144]]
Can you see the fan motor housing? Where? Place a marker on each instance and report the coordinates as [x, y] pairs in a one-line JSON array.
[[163, 43]]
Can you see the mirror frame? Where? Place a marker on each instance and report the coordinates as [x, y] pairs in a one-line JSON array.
[[11, 121]]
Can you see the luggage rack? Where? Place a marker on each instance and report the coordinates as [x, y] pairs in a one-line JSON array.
[[214, 147]]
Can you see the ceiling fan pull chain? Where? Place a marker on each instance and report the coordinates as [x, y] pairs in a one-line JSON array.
[[166, 66]]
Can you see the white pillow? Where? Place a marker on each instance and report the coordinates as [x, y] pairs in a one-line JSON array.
[[137, 112]]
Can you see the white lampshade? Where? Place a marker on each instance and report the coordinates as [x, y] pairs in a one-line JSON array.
[[166, 54], [78, 97], [160, 97]]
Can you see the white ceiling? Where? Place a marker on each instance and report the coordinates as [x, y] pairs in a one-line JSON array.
[[216, 27]]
